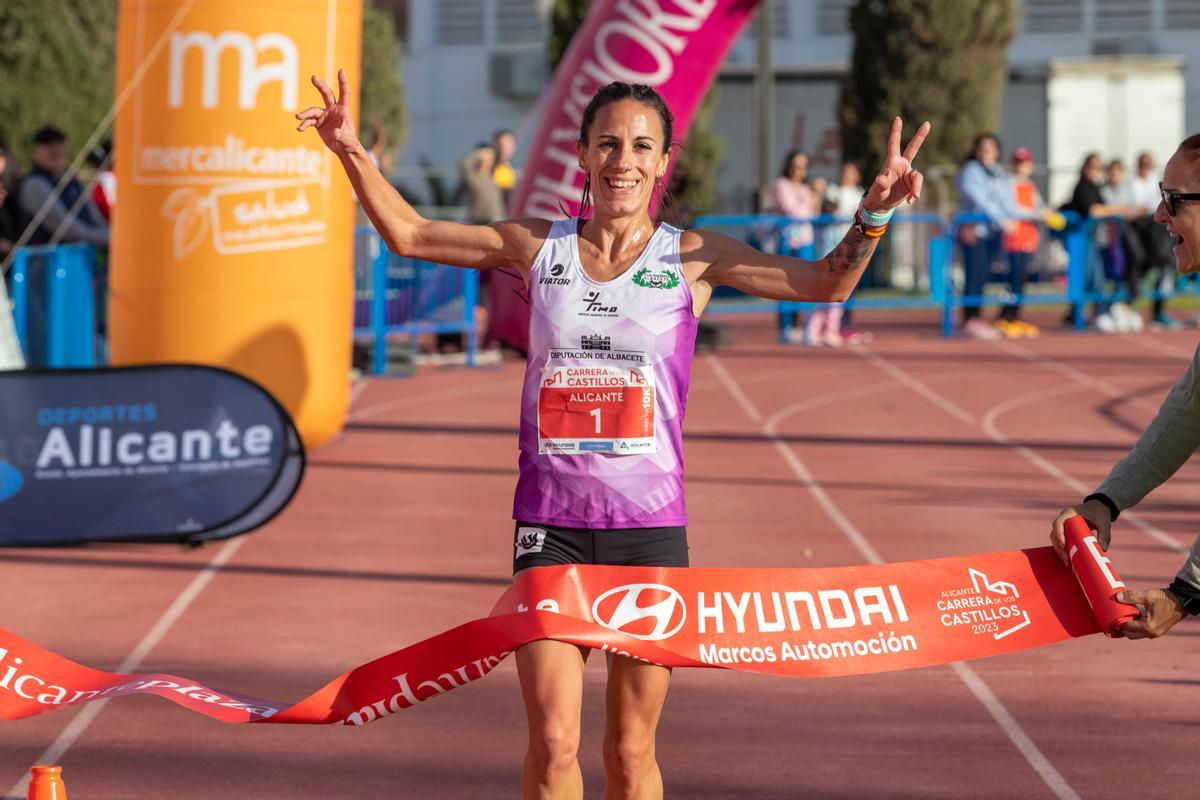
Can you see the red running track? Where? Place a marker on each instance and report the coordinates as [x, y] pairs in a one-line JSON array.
[[913, 447]]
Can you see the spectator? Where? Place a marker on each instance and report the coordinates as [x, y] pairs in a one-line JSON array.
[[825, 323], [486, 206], [984, 189], [504, 174], [104, 189], [1124, 256], [1144, 185], [1155, 240], [486, 201], [1088, 202], [8, 225], [792, 196], [379, 153], [1020, 245], [72, 216]]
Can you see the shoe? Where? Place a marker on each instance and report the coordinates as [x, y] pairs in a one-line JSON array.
[[1105, 323], [976, 328], [1025, 330], [1009, 329], [1167, 322], [833, 339], [855, 336], [1127, 320]]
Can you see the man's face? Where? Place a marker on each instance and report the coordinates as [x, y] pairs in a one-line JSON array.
[[1181, 175], [51, 157], [506, 146]]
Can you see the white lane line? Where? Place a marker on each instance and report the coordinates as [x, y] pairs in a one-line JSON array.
[[1025, 745], [1080, 377], [1016, 734], [991, 428], [732, 387], [1086, 381], [959, 413], [356, 390], [429, 397], [70, 734], [1151, 343]]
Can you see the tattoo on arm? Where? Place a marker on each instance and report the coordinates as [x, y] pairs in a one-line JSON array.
[[851, 254]]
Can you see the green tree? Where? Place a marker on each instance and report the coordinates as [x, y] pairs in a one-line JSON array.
[[383, 111], [566, 16], [58, 60], [940, 60], [693, 179]]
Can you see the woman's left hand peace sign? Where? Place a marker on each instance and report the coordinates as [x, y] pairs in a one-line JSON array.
[[897, 182]]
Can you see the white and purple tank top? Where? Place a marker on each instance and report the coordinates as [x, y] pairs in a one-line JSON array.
[[606, 386]]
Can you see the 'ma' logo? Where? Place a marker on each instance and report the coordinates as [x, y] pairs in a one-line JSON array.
[[648, 611], [11, 480], [251, 74]]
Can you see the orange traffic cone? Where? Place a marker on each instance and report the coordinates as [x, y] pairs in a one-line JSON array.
[[47, 784]]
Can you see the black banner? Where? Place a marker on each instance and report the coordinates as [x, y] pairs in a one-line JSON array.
[[155, 453]]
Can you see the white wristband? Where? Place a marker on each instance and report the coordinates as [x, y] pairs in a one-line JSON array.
[[871, 219]]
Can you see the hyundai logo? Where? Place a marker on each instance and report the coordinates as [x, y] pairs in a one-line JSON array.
[[648, 611]]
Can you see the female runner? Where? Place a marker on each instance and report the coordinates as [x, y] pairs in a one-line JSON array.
[[614, 305]]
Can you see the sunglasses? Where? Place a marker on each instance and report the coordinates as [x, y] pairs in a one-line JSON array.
[[1170, 199]]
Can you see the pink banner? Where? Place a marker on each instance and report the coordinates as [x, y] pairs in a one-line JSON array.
[[674, 46]]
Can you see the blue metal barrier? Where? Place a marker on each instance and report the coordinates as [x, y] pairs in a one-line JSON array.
[[917, 245], [938, 241], [54, 304], [407, 297]]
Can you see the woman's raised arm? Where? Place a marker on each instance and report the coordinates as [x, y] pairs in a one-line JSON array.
[[728, 262], [510, 243]]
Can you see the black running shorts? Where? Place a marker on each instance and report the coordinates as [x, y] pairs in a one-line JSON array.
[[549, 545]]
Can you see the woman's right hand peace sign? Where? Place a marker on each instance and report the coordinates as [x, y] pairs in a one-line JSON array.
[[333, 122]]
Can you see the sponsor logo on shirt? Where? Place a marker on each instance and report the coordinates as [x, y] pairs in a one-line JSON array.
[[530, 540], [555, 278], [664, 279], [596, 342], [594, 306]]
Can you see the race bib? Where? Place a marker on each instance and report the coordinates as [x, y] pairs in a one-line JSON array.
[[595, 409]]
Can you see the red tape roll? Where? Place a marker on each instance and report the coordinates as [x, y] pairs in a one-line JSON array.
[[797, 622], [1097, 577]]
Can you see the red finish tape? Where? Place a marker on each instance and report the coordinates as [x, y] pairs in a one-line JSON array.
[[796, 622], [1097, 577]]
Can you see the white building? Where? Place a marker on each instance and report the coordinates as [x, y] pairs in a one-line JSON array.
[[472, 66]]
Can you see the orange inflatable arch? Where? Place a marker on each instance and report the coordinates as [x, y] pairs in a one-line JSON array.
[[233, 234]]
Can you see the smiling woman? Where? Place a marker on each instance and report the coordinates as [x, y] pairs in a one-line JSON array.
[[614, 302], [1180, 206], [1173, 435]]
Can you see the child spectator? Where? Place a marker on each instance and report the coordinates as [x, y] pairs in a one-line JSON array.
[[1020, 244]]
